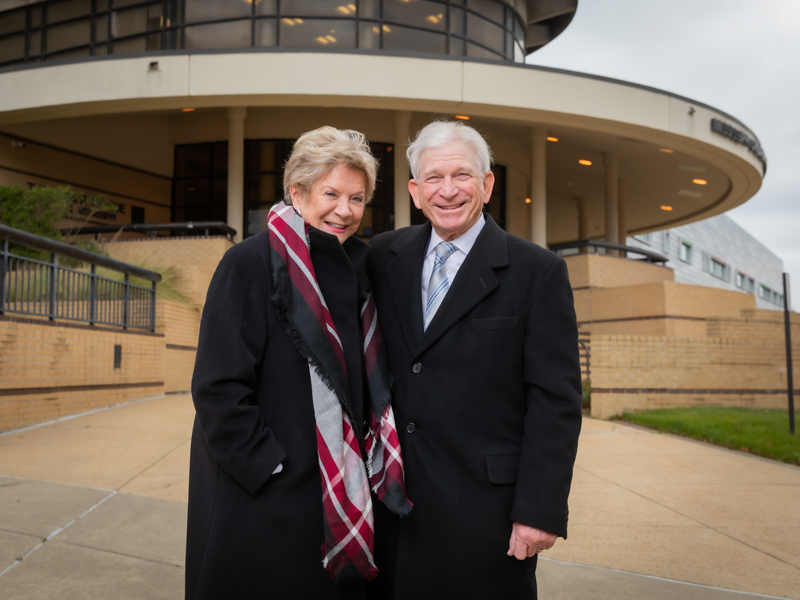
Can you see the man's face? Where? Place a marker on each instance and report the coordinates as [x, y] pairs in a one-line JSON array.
[[450, 190]]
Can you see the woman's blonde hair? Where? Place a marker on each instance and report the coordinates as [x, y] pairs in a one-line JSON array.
[[316, 153]]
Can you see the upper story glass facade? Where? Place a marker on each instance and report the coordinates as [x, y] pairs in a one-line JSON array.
[[67, 29]]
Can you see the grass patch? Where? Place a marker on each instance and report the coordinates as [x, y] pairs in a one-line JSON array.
[[761, 432]]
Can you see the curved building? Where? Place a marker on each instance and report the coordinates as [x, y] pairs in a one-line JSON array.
[[184, 110]]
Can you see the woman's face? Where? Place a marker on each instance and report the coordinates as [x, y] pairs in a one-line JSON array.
[[335, 204]]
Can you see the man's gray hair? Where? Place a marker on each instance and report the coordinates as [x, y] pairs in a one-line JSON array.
[[442, 133]]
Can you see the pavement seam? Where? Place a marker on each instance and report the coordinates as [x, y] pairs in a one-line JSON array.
[[666, 579], [154, 463], [118, 553], [54, 533], [693, 519]]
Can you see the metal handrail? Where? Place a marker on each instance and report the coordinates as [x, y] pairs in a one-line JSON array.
[[45, 288], [649, 256], [149, 228]]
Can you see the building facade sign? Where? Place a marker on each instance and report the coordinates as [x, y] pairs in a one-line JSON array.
[[740, 137]]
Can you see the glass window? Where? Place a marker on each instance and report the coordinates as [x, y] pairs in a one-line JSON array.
[[317, 33], [135, 20], [458, 47], [718, 268], [266, 32], [403, 38], [12, 48], [192, 161], [488, 8], [647, 238], [519, 53], [519, 33], [101, 29], [665, 242], [318, 8], [78, 53], [266, 7], [36, 16], [232, 34], [130, 46], [12, 21], [68, 35], [419, 13], [457, 21], [263, 189], [102, 5], [70, 9], [474, 51], [369, 9], [35, 43], [213, 10], [485, 33], [101, 49], [686, 251], [369, 35]]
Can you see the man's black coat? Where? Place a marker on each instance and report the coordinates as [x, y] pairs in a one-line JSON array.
[[488, 409]]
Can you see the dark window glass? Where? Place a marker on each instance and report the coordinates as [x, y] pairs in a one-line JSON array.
[[192, 192], [263, 189], [129, 46], [317, 33], [485, 33], [403, 38], [422, 13], [70, 9], [369, 9], [266, 7], [77, 53], [519, 33], [266, 32], [192, 161], [379, 213], [488, 8], [457, 47], [12, 21], [519, 53], [219, 160], [36, 16], [233, 34], [474, 51], [101, 29], [12, 48], [101, 5], [137, 214], [497, 202], [68, 35], [369, 35], [213, 10], [318, 8], [35, 43], [136, 20], [457, 22], [124, 3], [101, 49]]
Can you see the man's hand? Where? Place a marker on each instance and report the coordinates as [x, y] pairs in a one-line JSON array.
[[526, 541]]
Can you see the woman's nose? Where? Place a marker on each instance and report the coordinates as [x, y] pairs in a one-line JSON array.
[[343, 207]]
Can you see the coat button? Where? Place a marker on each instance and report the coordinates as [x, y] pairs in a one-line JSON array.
[[417, 368], [411, 428]]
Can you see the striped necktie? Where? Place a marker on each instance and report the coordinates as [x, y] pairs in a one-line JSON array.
[[438, 284]]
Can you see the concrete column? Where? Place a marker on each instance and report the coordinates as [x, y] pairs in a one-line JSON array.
[[612, 199], [623, 223], [539, 186], [236, 116], [402, 199], [583, 222]]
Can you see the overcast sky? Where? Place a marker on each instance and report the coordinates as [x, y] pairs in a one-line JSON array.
[[740, 56]]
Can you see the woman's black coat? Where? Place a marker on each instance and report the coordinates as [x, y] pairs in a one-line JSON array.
[[252, 534]]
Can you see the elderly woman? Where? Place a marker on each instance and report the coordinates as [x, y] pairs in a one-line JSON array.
[[292, 396]]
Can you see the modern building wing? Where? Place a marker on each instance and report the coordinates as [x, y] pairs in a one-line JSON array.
[[182, 110]]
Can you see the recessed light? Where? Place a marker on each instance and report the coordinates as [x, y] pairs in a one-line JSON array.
[[700, 181], [667, 208], [527, 200], [552, 139], [188, 109], [666, 150], [462, 117], [585, 162]]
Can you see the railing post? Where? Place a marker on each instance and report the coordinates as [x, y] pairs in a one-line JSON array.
[[51, 308], [126, 301], [93, 296], [3, 271], [153, 308]]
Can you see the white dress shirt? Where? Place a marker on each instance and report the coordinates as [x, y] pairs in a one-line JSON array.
[[464, 243]]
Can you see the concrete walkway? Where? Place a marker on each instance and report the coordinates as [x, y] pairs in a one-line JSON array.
[[95, 507]]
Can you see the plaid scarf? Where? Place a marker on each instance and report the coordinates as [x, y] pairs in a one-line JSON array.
[[346, 479]]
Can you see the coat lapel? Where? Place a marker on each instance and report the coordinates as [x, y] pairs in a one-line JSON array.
[[475, 280], [404, 273]]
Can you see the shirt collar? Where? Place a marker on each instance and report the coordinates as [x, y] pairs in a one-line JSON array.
[[463, 242]]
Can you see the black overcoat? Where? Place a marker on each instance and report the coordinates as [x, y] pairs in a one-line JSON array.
[[252, 534], [488, 409]]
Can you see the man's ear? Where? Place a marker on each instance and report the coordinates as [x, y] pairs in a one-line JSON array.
[[413, 189], [488, 186]]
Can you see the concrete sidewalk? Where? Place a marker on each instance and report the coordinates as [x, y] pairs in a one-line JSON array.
[[96, 506]]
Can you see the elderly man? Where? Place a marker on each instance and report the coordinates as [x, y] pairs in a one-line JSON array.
[[482, 340]]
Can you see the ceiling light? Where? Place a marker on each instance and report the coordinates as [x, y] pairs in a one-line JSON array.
[[700, 181], [288, 21], [343, 9], [390, 148], [585, 162], [666, 150], [386, 28], [552, 139], [462, 117], [188, 109], [527, 200], [322, 40], [352, 7], [667, 208], [330, 38]]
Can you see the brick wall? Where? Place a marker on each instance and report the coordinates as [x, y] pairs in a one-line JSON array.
[[593, 270], [49, 370], [180, 325]]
